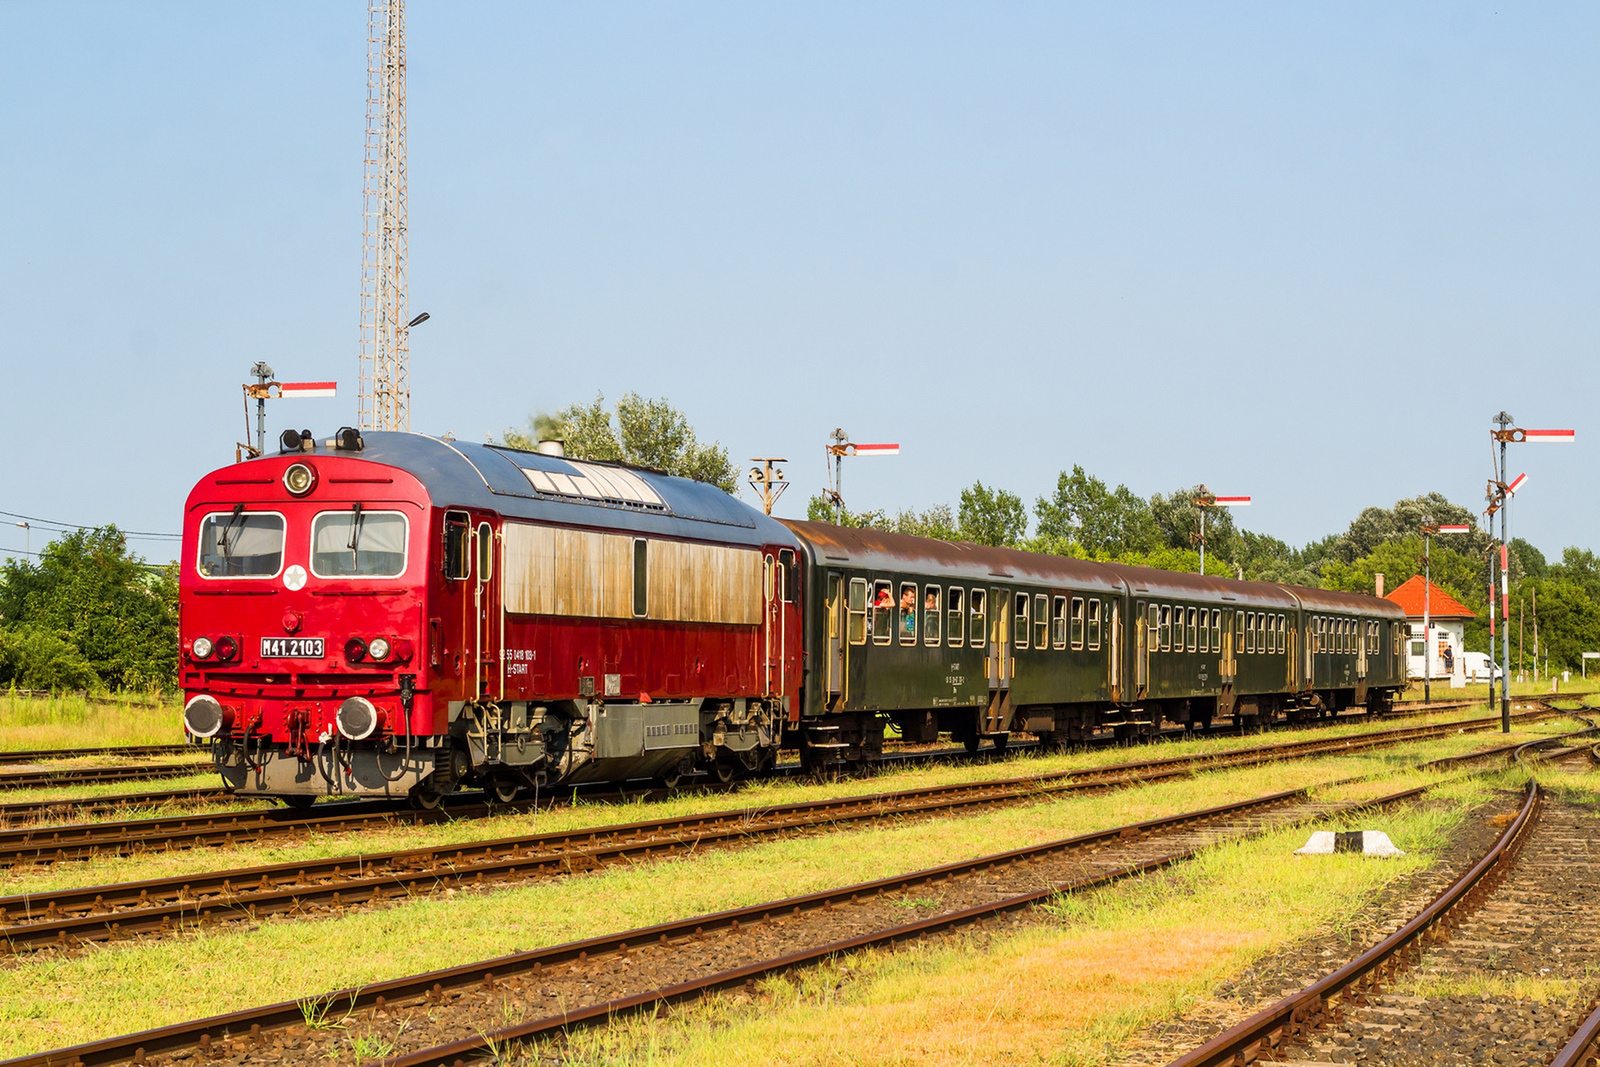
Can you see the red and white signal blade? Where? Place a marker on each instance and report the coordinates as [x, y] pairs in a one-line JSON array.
[[1559, 437], [1232, 501], [307, 389], [877, 450], [1516, 484], [1455, 529]]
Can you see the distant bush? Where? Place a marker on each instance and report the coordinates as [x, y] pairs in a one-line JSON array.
[[33, 658]]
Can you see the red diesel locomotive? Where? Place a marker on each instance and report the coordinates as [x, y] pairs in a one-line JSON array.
[[399, 615]]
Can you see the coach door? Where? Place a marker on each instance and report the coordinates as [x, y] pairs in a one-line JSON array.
[[1363, 639], [1000, 662], [1114, 658], [837, 611], [1141, 653]]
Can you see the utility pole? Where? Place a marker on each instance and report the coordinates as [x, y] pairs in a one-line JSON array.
[[259, 392], [1429, 529], [1535, 635], [768, 481]]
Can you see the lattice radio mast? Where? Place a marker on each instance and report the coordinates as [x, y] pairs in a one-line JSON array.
[[385, 386]]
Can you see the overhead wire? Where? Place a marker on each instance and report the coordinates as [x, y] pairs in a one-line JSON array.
[[63, 526]]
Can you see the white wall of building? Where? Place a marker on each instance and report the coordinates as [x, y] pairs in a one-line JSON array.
[[1447, 633]]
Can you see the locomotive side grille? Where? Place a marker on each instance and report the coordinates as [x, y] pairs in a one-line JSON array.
[[553, 571]]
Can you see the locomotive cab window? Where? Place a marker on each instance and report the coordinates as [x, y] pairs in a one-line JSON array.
[[980, 629], [857, 628], [1077, 622], [241, 544], [1024, 618], [1041, 621], [457, 532], [882, 613], [955, 617], [908, 613], [791, 576], [1058, 622], [1094, 624], [931, 616], [359, 544]]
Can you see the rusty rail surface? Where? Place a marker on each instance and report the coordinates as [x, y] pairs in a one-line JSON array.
[[187, 1035], [39, 755], [93, 775], [1265, 1033], [1583, 1049]]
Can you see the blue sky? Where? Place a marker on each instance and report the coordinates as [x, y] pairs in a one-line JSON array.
[[1300, 252]]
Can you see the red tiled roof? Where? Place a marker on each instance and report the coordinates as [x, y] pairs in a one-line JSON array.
[[1441, 605]]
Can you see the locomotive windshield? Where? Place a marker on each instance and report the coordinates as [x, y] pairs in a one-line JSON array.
[[241, 544], [356, 543]]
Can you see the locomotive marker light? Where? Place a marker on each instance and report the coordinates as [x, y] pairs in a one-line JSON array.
[[1508, 434], [842, 446], [768, 481], [1429, 529], [1205, 500]]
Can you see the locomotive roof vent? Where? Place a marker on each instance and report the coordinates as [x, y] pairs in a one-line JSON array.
[[348, 439], [296, 441], [551, 448]]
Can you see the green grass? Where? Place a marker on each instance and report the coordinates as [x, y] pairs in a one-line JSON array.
[[52, 1002], [72, 721]]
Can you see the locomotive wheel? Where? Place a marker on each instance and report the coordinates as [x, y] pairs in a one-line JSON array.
[[724, 770], [504, 787], [424, 799]]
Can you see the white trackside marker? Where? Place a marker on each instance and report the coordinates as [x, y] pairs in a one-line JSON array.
[[1366, 842]]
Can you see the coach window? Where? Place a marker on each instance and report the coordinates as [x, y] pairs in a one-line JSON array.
[[1154, 628], [858, 611], [882, 628], [241, 544], [1283, 634], [1238, 632], [930, 615], [979, 634], [908, 613], [1094, 624], [1077, 622], [1024, 617], [1216, 630], [1058, 622], [1166, 627], [1189, 623], [1250, 632], [1041, 621], [956, 610], [457, 561]]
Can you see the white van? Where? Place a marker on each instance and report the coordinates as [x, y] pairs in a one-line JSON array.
[[1478, 667]]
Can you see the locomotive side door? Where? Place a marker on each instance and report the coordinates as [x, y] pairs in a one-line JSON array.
[[487, 631]]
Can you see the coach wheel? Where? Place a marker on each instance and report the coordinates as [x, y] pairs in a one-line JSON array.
[[298, 802], [504, 787]]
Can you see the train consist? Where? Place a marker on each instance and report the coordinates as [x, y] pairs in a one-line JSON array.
[[401, 615]]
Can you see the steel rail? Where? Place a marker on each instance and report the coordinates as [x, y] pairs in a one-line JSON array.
[[161, 905], [51, 844], [1291, 1017], [40, 755], [93, 775], [81, 806], [253, 1020], [1583, 1048]]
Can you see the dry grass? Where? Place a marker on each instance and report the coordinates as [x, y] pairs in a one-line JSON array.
[[72, 721]]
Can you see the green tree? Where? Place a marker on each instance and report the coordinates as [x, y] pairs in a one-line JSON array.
[[645, 433], [34, 658], [991, 516], [1104, 522], [936, 522], [88, 593]]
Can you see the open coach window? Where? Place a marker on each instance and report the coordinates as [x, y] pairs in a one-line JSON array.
[[457, 532], [241, 544], [356, 543]]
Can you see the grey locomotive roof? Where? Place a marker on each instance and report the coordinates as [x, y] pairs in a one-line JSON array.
[[464, 474]]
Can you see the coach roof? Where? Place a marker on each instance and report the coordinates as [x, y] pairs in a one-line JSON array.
[[530, 485]]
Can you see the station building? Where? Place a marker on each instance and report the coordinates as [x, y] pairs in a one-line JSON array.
[[1448, 619]]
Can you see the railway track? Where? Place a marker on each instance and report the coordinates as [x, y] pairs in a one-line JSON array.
[[44, 755], [1529, 911], [64, 843], [61, 776], [64, 918], [587, 981]]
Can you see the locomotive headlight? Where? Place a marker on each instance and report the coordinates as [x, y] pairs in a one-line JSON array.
[[299, 479], [378, 648], [202, 648]]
